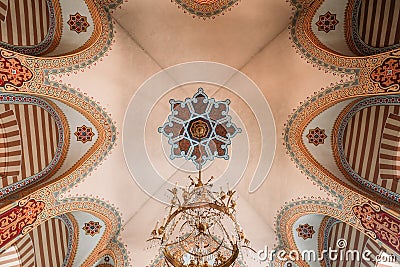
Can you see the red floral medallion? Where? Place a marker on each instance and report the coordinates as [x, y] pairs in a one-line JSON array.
[[316, 136], [92, 228], [78, 23], [305, 231], [84, 134], [379, 224], [327, 22], [12, 72], [388, 73], [13, 221]]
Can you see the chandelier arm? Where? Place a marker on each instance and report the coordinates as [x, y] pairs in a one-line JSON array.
[[218, 247], [211, 205], [177, 242]]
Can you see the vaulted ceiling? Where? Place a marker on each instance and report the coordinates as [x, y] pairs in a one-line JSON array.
[[85, 91]]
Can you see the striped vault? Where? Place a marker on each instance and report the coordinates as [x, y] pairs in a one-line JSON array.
[[38, 133], [23, 22], [379, 22], [365, 136], [50, 241], [389, 156], [355, 241], [10, 258], [45, 246], [21, 254], [3, 9], [10, 146]]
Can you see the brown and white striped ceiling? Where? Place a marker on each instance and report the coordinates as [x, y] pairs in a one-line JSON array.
[[371, 144], [379, 22], [25, 23], [45, 246]]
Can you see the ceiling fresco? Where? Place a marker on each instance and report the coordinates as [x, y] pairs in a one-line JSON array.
[[206, 8], [53, 137], [351, 207], [104, 107]]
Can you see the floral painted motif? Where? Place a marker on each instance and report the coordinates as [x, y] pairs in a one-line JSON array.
[[12, 72], [388, 73], [316, 136], [92, 228], [206, 8], [379, 224], [327, 22], [78, 23], [15, 220], [199, 129], [305, 231], [84, 134]]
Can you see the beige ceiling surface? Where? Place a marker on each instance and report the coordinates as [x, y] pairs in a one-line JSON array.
[[155, 34]]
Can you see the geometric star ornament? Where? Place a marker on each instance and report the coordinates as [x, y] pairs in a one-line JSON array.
[[316, 136], [78, 23], [206, 8], [84, 134], [305, 231], [327, 22], [199, 129], [92, 228]]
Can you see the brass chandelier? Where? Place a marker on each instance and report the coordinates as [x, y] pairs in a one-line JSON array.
[[201, 229]]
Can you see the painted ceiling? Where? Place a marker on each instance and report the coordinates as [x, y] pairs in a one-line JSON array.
[[105, 105]]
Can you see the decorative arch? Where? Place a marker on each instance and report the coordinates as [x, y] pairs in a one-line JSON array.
[[30, 154], [30, 77], [45, 28], [325, 225], [367, 144]]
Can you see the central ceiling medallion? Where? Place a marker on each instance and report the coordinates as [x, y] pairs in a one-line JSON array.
[[206, 8], [199, 129]]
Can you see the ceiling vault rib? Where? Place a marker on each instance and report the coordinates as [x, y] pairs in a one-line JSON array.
[[162, 67]]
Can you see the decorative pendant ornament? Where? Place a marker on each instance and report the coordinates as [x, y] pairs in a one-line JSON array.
[[206, 8]]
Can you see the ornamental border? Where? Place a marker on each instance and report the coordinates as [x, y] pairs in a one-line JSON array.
[[73, 236], [315, 52]]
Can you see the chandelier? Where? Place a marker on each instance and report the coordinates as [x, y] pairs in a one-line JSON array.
[[206, 8], [200, 229]]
